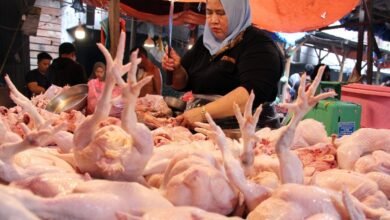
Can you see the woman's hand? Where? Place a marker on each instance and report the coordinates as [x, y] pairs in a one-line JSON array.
[[188, 118], [171, 63]]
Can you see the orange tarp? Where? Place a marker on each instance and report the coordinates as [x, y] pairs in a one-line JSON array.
[[299, 15], [272, 15]]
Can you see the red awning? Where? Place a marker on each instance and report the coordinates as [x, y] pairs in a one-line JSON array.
[[272, 15]]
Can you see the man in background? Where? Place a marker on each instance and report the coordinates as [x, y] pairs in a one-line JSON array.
[[65, 70], [36, 79]]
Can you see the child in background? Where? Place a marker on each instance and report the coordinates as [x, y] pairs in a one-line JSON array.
[[96, 87]]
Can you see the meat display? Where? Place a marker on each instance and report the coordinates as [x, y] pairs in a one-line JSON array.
[[68, 166]]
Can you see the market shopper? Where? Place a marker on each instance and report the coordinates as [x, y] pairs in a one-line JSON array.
[[36, 79], [147, 68], [95, 89], [65, 70], [231, 59]]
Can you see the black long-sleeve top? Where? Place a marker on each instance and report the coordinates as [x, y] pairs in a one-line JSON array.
[[64, 71], [254, 62]]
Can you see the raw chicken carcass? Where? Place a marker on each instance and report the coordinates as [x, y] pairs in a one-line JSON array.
[[177, 213], [95, 199], [168, 134], [361, 187], [114, 152], [309, 132], [295, 201], [378, 161], [154, 104], [51, 184], [6, 135], [23, 159], [290, 165], [197, 179], [12, 209], [383, 181], [63, 139], [363, 141]]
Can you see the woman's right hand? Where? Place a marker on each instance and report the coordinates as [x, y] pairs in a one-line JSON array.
[[171, 63]]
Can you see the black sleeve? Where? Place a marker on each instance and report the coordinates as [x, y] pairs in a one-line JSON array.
[[30, 77], [188, 57], [79, 76], [260, 67]]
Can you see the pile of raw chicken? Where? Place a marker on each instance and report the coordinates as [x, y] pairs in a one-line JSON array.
[[70, 166]]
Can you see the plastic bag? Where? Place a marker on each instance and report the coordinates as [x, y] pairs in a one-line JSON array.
[[200, 100]]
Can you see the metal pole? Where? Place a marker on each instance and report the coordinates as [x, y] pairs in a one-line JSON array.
[[133, 33], [370, 38]]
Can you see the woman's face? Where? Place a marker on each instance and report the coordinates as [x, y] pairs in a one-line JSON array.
[[99, 72], [217, 19]]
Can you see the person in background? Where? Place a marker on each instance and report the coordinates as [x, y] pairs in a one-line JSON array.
[[95, 85], [36, 79], [325, 76], [147, 68], [232, 59], [295, 79], [65, 70], [98, 72], [95, 90]]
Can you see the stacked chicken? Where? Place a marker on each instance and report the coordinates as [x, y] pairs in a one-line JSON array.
[[105, 168]]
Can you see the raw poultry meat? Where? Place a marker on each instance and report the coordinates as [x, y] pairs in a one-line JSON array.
[[60, 138], [154, 104], [95, 199], [303, 137], [12, 209], [114, 152], [253, 193], [363, 141], [41, 100], [51, 184], [168, 134], [6, 135], [361, 187], [383, 181], [295, 201], [288, 197], [197, 179], [308, 133], [247, 125], [377, 161], [23, 159], [319, 157], [162, 155], [178, 213], [153, 111]]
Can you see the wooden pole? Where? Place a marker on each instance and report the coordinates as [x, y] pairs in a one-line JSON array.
[[113, 21]]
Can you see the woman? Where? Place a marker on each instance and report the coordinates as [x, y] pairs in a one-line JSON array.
[[231, 59], [95, 89]]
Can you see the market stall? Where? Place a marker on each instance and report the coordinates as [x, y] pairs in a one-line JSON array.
[[142, 162]]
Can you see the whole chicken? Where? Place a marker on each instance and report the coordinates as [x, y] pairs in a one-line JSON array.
[[115, 152], [362, 141], [95, 199], [197, 179]]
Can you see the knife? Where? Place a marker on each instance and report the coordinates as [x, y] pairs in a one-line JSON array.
[[170, 26]]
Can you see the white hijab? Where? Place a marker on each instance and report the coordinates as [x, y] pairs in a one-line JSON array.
[[239, 18]]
